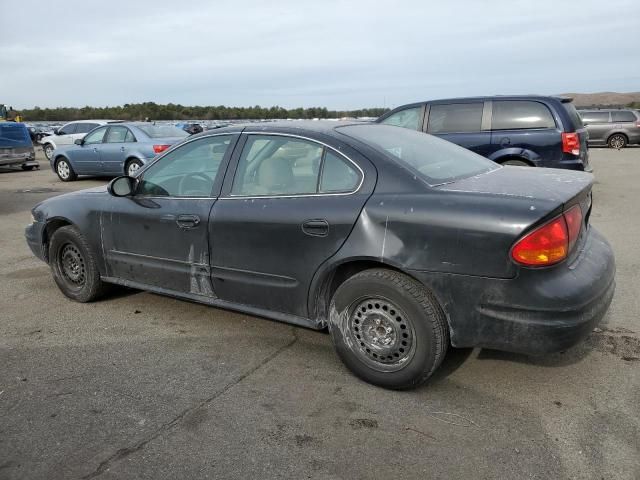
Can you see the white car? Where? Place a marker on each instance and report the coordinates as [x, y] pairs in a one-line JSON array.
[[69, 133]]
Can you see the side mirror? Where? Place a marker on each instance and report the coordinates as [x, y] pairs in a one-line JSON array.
[[78, 141], [122, 186]]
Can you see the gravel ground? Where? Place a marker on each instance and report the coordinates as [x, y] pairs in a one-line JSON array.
[[143, 386]]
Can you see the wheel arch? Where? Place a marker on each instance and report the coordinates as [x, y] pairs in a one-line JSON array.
[[526, 155], [616, 132], [53, 224], [327, 281]]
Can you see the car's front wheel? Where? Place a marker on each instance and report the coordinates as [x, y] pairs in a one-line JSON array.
[[388, 329], [48, 150], [65, 170], [74, 266]]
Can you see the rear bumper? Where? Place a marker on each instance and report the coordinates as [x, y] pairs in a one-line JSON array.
[[18, 159], [540, 311]]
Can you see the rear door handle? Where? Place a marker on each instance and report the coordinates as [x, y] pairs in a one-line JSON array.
[[188, 221], [316, 228]]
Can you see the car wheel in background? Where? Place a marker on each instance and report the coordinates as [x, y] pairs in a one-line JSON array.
[[516, 162], [388, 329], [73, 265], [48, 150], [132, 167], [65, 171], [617, 140]]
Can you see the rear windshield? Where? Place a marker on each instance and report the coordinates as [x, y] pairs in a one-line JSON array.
[[573, 115], [434, 160], [12, 133], [162, 131]]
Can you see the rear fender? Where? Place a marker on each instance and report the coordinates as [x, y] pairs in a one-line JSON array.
[[516, 152]]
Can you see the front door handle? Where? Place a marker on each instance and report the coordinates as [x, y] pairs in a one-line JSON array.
[[316, 228], [188, 221]]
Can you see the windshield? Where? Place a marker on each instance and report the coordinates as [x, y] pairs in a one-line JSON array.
[[12, 133], [162, 131], [434, 160]]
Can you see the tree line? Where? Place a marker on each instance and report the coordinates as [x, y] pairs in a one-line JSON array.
[[171, 111]]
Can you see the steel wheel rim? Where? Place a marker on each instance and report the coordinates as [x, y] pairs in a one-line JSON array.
[[63, 169], [72, 265], [616, 141], [381, 334], [133, 168]]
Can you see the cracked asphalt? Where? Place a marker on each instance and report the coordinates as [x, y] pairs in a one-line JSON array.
[[144, 386]]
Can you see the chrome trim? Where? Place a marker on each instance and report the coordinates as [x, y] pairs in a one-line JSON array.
[[250, 197]]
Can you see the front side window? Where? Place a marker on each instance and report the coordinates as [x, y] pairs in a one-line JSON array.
[[274, 165], [85, 127], [96, 136], [407, 118], [516, 115], [117, 134], [455, 118], [623, 116], [435, 160], [68, 129], [595, 117], [188, 171]]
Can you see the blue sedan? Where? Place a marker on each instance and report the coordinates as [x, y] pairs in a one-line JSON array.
[[114, 149]]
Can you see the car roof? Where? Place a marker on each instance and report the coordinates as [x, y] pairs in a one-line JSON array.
[[93, 121], [326, 127], [559, 98]]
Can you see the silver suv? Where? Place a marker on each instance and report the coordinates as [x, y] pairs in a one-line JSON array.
[[615, 128]]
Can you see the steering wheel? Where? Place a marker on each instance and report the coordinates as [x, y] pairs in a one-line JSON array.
[[200, 175]]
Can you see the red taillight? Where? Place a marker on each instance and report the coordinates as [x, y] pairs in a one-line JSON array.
[[571, 143], [551, 242], [160, 148]]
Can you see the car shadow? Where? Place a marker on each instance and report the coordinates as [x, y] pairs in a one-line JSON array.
[[560, 359]]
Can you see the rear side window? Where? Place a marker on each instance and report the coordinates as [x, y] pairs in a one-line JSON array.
[[595, 117], [129, 137], [407, 118], [455, 118], [516, 115], [337, 174], [623, 116]]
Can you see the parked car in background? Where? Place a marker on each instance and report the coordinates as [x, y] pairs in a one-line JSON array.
[[69, 133], [190, 128], [37, 132], [16, 147], [399, 242], [613, 127], [525, 130], [114, 149]]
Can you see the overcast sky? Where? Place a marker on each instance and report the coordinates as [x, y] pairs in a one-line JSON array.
[[338, 54]]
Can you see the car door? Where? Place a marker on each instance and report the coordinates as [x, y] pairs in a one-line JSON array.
[[289, 206], [64, 136], [113, 151], [598, 125], [462, 123], [158, 237], [85, 158]]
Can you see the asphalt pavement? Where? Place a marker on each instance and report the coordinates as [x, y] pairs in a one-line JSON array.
[[143, 386]]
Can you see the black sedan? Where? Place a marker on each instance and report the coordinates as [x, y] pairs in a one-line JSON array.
[[400, 243]]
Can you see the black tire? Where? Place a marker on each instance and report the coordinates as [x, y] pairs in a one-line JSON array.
[[64, 170], [28, 167], [516, 162], [617, 141], [47, 148], [74, 266], [415, 336], [131, 166]]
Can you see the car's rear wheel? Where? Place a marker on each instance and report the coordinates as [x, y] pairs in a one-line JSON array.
[[388, 329], [132, 167], [516, 162], [48, 150], [65, 170], [617, 140], [74, 266]]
